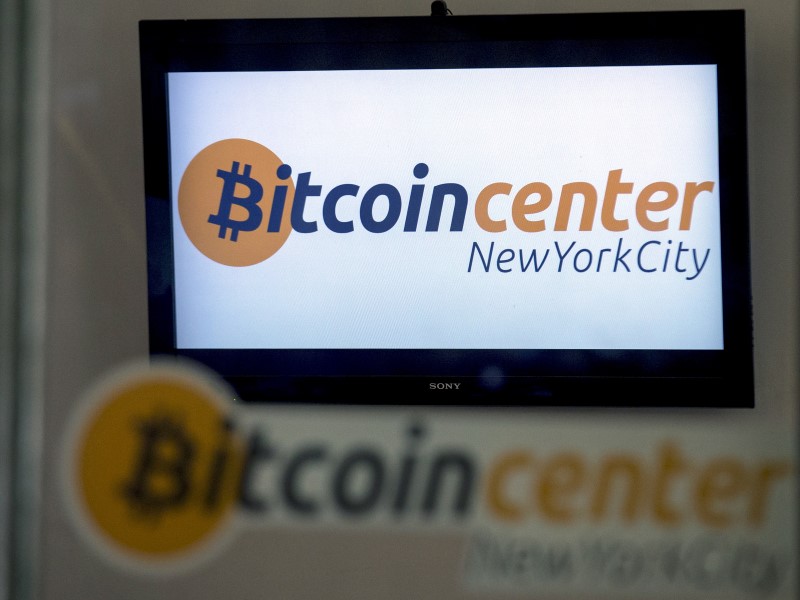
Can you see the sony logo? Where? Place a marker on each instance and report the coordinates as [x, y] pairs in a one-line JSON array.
[[444, 386]]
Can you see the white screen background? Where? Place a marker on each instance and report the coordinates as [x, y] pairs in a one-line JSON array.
[[472, 127]]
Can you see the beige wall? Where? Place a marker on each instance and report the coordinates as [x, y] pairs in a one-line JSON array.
[[95, 300]]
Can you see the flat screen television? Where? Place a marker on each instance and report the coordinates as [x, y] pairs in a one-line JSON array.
[[504, 210]]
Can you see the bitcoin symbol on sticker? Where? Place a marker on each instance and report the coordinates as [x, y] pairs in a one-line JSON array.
[[250, 202], [156, 463], [161, 477], [224, 195]]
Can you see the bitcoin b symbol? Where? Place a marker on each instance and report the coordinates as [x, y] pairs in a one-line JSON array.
[[228, 198], [162, 473], [227, 189], [156, 462]]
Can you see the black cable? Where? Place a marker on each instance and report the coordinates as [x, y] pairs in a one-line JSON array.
[[439, 9]]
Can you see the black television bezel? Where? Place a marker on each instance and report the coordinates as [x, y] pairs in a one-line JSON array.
[[600, 378]]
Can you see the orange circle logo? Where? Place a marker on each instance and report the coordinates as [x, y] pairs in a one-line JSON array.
[[154, 462], [235, 201]]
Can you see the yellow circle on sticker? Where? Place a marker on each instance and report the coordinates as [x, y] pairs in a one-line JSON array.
[[156, 460]]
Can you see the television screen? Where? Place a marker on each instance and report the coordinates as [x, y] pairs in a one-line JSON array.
[[517, 210]]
